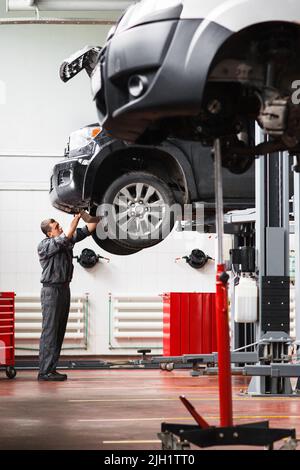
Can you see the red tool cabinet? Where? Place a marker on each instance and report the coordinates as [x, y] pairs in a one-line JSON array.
[[7, 333], [189, 323]]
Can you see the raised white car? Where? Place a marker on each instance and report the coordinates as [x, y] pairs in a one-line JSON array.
[[200, 69]]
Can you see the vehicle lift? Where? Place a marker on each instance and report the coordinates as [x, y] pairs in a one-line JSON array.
[[272, 370]]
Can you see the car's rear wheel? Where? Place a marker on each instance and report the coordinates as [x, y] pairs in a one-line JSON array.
[[140, 210]]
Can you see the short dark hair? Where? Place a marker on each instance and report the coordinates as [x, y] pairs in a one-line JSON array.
[[45, 226]]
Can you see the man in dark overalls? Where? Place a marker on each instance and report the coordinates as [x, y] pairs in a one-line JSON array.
[[56, 258]]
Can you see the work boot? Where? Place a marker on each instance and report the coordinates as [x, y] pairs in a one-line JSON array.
[[52, 377], [59, 374]]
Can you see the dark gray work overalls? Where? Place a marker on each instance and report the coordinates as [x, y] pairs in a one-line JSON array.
[[56, 258]]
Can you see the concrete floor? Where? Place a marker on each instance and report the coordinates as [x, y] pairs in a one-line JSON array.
[[120, 409]]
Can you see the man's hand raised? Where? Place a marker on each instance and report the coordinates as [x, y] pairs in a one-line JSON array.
[[73, 226]]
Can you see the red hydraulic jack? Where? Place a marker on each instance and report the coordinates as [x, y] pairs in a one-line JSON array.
[[179, 436]]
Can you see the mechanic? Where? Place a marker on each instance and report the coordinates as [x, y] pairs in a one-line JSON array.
[[56, 258]]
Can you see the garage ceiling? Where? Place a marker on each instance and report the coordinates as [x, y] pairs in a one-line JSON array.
[[67, 5]]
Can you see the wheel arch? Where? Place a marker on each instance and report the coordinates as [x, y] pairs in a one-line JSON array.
[[166, 160], [219, 39], [239, 43]]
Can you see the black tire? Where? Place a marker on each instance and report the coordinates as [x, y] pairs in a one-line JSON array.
[[10, 372], [114, 248], [156, 221]]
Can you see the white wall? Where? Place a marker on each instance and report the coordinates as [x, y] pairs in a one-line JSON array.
[[38, 114], [40, 110]]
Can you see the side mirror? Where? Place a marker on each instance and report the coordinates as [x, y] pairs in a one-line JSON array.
[[86, 59]]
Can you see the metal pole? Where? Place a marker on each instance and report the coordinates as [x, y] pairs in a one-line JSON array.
[[223, 339], [260, 204], [297, 251], [285, 164], [219, 202], [55, 21], [261, 222]]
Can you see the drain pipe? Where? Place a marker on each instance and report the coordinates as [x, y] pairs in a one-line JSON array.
[[67, 5]]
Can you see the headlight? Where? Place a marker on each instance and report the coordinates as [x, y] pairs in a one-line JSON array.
[[83, 137], [96, 80], [84, 161]]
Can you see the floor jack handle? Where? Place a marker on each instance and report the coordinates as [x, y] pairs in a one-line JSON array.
[[199, 420], [223, 341]]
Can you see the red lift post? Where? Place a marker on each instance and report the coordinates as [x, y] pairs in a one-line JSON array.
[[223, 341]]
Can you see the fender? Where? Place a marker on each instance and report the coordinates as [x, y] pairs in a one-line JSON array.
[[117, 145]]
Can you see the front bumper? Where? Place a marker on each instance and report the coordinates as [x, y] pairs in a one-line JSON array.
[[175, 75], [66, 186]]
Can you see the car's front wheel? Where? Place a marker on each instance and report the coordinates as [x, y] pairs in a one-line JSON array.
[[140, 214]]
